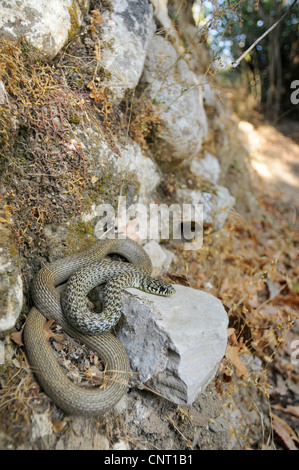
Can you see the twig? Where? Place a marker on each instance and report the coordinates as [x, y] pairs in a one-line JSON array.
[[236, 63], [177, 429], [130, 117]]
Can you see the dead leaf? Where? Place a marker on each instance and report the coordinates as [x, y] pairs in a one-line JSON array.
[[47, 329], [290, 409], [58, 425], [230, 331], [179, 279], [232, 336], [285, 432], [232, 353], [17, 337], [59, 338]]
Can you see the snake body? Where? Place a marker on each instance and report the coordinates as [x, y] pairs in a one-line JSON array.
[[47, 304], [119, 276]]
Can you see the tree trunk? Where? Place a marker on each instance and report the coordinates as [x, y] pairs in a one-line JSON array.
[[275, 72]]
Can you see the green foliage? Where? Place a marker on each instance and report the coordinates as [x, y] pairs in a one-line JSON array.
[[272, 65]]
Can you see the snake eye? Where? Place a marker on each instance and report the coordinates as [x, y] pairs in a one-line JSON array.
[[168, 289]]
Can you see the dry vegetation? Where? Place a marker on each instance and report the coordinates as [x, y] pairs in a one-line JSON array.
[[42, 168], [44, 176]]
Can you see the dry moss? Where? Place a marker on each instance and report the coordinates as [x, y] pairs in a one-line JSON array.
[[43, 171], [144, 122]]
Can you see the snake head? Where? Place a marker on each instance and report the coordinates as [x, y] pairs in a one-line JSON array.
[[159, 287]]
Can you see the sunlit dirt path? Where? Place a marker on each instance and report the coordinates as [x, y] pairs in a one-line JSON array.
[[274, 155]]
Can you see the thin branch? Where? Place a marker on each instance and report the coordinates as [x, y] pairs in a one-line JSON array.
[[236, 63]]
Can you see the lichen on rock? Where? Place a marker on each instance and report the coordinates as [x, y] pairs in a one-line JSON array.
[[11, 285]]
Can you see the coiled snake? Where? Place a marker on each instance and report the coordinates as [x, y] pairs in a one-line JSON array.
[[47, 304]]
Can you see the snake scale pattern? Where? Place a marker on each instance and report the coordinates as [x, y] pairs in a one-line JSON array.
[[88, 269], [117, 276]]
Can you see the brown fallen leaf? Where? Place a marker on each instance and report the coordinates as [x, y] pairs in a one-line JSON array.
[[285, 432], [232, 336], [179, 279], [292, 299], [232, 353], [290, 409], [47, 329], [17, 337], [58, 425], [230, 331]]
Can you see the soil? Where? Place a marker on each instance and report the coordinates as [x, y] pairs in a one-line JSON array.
[[274, 155]]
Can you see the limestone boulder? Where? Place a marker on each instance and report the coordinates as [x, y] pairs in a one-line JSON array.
[[174, 343], [177, 94], [122, 54], [47, 24], [216, 204], [160, 257], [207, 168]]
